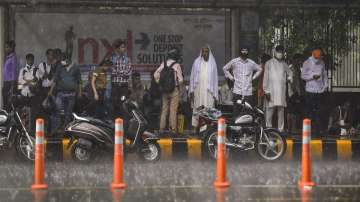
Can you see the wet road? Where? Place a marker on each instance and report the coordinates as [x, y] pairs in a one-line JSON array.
[[181, 180]]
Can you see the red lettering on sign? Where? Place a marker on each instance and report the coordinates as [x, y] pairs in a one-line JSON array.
[[95, 50], [109, 48]]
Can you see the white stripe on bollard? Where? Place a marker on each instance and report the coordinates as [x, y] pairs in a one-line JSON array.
[[306, 139], [306, 128], [118, 127], [39, 127], [119, 140], [221, 127], [39, 140], [221, 139]]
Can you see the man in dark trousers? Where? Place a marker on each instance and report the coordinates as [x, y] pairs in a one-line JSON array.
[[9, 74]]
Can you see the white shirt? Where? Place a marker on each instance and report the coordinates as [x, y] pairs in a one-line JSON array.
[[313, 67], [276, 74], [243, 71], [26, 75], [41, 73]]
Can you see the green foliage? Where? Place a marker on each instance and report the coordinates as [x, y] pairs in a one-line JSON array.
[[301, 29]]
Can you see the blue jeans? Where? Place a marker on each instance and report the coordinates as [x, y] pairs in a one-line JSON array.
[[65, 101]]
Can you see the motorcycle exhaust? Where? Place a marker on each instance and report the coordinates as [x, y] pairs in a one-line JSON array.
[[239, 146]]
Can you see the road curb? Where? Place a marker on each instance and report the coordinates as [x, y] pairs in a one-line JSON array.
[[192, 148]]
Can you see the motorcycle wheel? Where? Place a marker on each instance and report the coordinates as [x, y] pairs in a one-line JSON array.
[[273, 147], [150, 152], [23, 147], [211, 145], [81, 154]]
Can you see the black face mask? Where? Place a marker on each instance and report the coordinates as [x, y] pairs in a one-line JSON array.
[[244, 55]]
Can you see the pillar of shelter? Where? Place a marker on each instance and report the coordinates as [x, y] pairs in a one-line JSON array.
[[2, 49], [235, 30], [248, 30]]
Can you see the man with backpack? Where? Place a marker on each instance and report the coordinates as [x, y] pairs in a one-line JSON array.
[[46, 74], [170, 78], [28, 85]]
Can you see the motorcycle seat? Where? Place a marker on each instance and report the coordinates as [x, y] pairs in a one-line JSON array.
[[95, 121]]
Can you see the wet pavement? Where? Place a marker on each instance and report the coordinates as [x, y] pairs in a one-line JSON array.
[[180, 180]]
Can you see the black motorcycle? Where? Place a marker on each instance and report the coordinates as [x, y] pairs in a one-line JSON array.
[[89, 135], [14, 134], [245, 132]]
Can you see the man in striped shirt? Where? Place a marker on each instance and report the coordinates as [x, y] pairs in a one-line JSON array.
[[120, 75], [242, 74]]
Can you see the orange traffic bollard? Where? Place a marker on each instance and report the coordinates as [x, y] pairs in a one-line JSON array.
[[306, 156], [221, 181], [117, 195], [118, 181], [305, 194], [39, 195], [39, 157], [220, 194]]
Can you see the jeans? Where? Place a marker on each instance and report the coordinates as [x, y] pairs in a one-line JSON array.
[[65, 101]]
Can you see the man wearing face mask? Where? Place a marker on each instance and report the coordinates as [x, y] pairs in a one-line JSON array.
[[203, 82], [68, 84], [314, 74], [242, 74], [276, 75]]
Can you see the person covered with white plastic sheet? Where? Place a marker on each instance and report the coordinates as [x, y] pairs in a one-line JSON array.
[[203, 87]]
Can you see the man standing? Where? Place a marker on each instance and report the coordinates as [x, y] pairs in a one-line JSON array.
[[10, 73], [120, 76], [314, 74], [46, 74], [27, 85], [170, 94], [68, 85], [276, 75], [243, 70], [203, 82]]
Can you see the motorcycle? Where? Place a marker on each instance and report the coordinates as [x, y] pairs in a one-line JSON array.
[[245, 132], [14, 134], [87, 135]]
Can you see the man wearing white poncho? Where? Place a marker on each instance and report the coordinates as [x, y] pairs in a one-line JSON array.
[[203, 82]]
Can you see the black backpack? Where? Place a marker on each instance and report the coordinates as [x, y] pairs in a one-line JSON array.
[[36, 88], [167, 81]]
